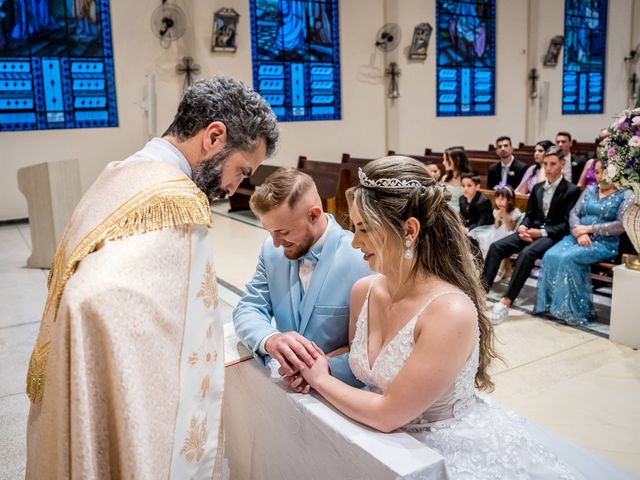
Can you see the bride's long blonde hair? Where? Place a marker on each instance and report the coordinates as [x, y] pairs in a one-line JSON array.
[[441, 248]]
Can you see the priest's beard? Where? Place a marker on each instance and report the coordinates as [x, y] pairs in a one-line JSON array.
[[207, 175]]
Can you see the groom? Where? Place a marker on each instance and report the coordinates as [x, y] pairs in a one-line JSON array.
[[303, 279]]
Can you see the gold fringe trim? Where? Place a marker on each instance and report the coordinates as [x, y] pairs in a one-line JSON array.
[[162, 210], [166, 205]]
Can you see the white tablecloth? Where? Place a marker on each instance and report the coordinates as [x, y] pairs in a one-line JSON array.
[[271, 434]]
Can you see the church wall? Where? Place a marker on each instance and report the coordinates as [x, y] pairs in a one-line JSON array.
[[547, 118], [361, 130], [370, 123], [136, 53], [413, 123]]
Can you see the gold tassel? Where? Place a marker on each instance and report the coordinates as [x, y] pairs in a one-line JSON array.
[[35, 375]]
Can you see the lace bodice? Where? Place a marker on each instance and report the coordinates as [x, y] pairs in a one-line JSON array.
[[453, 403]]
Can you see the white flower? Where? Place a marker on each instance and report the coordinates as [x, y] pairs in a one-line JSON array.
[[634, 141], [635, 121], [612, 171]]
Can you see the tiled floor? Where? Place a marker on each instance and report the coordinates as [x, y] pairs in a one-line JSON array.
[[579, 385]]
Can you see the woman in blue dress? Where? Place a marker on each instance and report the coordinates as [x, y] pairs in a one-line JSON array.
[[564, 286]]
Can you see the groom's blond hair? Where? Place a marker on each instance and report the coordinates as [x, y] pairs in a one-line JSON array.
[[285, 185]]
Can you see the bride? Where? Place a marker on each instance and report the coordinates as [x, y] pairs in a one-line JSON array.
[[422, 344]]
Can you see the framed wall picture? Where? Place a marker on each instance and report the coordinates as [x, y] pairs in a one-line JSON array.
[[225, 27], [553, 52], [420, 41]]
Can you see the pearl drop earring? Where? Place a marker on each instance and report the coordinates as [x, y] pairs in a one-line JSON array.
[[408, 253]]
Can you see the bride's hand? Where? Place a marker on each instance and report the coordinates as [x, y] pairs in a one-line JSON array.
[[295, 382], [319, 369]]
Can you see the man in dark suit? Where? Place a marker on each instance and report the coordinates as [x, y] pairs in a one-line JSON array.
[[509, 170], [573, 164], [546, 222]]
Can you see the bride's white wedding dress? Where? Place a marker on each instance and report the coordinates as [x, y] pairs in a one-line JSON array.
[[478, 438]]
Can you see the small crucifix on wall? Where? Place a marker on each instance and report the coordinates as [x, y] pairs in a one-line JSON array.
[[394, 72], [533, 83], [189, 70]]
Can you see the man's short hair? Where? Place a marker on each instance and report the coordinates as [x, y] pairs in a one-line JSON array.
[[471, 176], [247, 116], [286, 184], [554, 151], [504, 137], [564, 134]]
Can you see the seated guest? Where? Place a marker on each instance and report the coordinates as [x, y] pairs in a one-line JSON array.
[[564, 286], [506, 216], [434, 171], [475, 206], [588, 177], [573, 164], [535, 173], [544, 224], [455, 164], [509, 170], [303, 279]]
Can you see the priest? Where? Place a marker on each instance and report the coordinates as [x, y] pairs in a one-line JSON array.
[[126, 376]]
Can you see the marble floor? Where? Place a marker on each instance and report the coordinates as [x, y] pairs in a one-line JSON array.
[[577, 384]]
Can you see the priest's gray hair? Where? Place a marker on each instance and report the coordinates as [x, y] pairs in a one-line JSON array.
[[247, 116]]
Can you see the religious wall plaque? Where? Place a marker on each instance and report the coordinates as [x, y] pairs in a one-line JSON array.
[[225, 27]]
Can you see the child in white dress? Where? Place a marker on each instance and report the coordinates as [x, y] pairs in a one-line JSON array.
[[507, 217]]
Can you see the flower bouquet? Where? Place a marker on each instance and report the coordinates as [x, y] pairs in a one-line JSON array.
[[621, 152]]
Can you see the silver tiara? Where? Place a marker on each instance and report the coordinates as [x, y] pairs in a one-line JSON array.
[[386, 182]]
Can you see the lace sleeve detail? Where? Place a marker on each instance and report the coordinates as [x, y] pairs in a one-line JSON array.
[[574, 216], [616, 227]]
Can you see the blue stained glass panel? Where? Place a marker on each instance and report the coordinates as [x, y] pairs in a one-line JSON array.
[[585, 47], [56, 65], [466, 57], [296, 57]]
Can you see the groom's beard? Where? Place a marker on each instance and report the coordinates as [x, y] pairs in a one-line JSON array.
[[207, 175]]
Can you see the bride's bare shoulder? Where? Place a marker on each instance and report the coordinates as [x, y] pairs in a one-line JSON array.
[[359, 290], [452, 305]]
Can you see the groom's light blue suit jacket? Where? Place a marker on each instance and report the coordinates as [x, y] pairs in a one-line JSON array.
[[321, 314]]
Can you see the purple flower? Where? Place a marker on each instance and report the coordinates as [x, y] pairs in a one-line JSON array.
[[611, 153], [619, 124]]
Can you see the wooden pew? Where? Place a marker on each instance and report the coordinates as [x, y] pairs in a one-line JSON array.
[[348, 178], [240, 199], [520, 201], [326, 176]]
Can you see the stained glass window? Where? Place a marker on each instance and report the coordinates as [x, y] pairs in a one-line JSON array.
[[56, 65], [296, 57], [466, 57], [585, 46]]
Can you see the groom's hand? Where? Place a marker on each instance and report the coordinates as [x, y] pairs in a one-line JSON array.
[[292, 351]]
